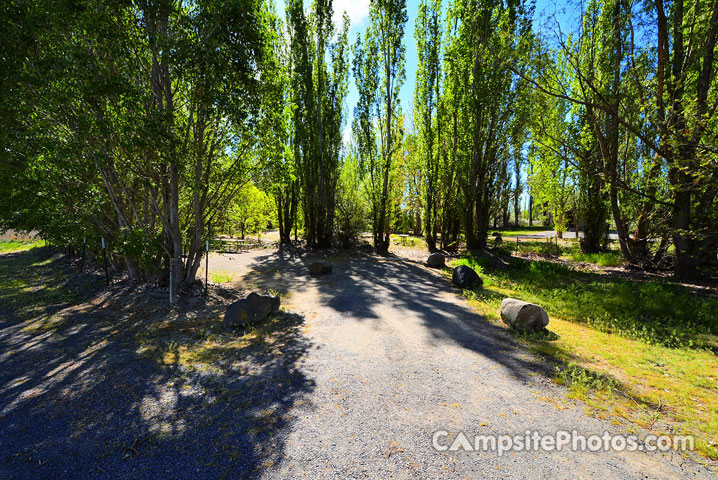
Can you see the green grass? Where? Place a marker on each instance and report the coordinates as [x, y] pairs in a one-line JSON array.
[[12, 246], [655, 312], [28, 284], [567, 249], [220, 276], [641, 353], [611, 258], [410, 241]]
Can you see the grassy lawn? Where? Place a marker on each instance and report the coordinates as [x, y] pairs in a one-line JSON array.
[[567, 249], [10, 246], [24, 289], [612, 258], [641, 353], [220, 276]]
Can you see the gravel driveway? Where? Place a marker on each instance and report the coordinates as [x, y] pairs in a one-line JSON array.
[[351, 380], [396, 355]]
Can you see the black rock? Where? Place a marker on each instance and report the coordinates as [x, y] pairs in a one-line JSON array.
[[466, 277], [435, 260]]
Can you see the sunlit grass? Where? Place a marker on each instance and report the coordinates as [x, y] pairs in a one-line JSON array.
[[653, 312], [12, 246], [565, 249], [221, 277], [605, 259], [642, 353]]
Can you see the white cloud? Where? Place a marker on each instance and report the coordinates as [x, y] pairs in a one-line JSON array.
[[347, 134], [357, 10]]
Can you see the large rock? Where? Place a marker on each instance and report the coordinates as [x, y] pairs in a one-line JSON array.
[[249, 310], [435, 260], [466, 277], [320, 267], [525, 316]]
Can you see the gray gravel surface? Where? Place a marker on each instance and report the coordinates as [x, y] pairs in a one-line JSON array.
[[351, 381], [396, 354]]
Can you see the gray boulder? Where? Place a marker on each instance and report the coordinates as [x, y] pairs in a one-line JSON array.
[[435, 260], [250, 310], [521, 315], [320, 267], [466, 277]]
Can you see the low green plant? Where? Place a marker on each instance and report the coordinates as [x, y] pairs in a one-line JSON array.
[[222, 277]]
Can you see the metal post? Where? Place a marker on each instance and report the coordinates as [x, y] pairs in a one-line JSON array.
[[84, 247], [517, 244], [206, 267], [173, 286], [104, 258]]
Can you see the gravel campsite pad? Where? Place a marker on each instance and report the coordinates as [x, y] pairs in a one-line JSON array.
[[349, 380]]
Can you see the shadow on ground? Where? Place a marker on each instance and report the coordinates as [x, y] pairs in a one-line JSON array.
[[117, 384], [361, 288]]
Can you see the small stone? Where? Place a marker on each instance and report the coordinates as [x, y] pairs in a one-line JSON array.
[[466, 277]]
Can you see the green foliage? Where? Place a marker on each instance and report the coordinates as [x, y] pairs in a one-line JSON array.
[[250, 212], [379, 73], [126, 129], [352, 208], [319, 77], [428, 36], [552, 175]]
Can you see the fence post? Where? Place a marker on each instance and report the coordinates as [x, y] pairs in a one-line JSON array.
[[206, 267], [104, 259], [84, 247], [173, 283]]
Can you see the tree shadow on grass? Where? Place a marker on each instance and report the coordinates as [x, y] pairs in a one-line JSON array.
[[652, 311], [125, 386]]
